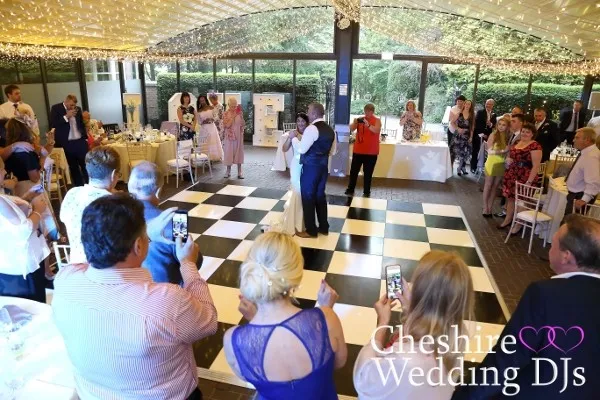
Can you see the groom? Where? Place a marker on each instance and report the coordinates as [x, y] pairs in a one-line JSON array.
[[317, 143]]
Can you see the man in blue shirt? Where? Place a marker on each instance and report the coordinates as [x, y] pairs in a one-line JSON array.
[[145, 183]]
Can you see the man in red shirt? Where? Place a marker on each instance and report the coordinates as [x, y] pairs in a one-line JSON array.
[[366, 149]]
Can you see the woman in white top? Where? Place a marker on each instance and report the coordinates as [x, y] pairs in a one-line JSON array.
[[207, 127], [22, 247], [437, 304], [292, 219]]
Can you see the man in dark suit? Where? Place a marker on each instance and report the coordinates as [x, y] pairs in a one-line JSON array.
[[547, 132], [485, 120], [571, 119], [553, 336], [70, 134]]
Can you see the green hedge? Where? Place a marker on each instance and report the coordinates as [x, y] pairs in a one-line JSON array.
[[307, 86]]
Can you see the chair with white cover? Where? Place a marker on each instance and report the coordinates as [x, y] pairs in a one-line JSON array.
[[181, 163], [200, 155], [61, 252], [527, 212], [289, 126], [137, 152], [589, 211]]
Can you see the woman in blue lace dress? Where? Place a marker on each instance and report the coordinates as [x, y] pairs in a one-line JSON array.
[[285, 352]]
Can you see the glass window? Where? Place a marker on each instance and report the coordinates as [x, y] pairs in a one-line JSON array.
[[555, 92], [235, 76], [444, 83], [387, 85], [103, 90], [62, 80], [27, 75], [133, 83], [276, 76], [315, 81], [196, 76], [508, 88], [161, 84]]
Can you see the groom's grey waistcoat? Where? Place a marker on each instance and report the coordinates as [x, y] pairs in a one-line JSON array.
[[318, 154]]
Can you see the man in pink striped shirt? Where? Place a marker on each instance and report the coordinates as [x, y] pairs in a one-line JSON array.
[[128, 337]]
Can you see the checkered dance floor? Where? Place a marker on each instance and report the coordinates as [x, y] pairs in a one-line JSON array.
[[365, 235]]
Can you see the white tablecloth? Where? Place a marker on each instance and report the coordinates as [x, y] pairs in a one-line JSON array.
[[160, 153], [554, 205], [64, 164], [417, 161], [44, 361]]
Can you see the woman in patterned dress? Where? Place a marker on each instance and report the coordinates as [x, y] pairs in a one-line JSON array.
[[187, 117], [411, 120], [464, 137], [523, 166]]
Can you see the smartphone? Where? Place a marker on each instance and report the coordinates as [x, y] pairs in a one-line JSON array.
[[180, 225], [393, 278]]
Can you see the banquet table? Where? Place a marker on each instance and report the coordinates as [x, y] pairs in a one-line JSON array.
[[160, 153], [422, 161], [42, 361], [64, 165]]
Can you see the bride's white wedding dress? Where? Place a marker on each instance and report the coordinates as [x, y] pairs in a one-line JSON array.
[[292, 220]]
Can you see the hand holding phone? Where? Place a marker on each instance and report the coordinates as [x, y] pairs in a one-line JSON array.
[[180, 225], [393, 278]]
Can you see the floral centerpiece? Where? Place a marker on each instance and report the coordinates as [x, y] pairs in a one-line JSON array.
[[131, 107]]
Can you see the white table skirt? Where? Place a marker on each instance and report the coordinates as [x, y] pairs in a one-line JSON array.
[[554, 205], [45, 363], [64, 164], [160, 153], [417, 161]]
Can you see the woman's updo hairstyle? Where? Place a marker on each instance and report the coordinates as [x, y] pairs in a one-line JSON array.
[[273, 268]]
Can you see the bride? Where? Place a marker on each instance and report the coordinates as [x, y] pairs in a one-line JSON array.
[[292, 221], [207, 127]]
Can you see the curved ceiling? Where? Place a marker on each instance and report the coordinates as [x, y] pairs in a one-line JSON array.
[[136, 25]]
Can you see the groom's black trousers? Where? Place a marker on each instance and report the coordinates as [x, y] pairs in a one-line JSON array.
[[312, 187]]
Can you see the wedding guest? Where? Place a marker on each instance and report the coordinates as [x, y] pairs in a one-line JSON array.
[[595, 124], [187, 117], [66, 118], [313, 338], [571, 119], [523, 165], [411, 121], [516, 124], [366, 149], [145, 183], [217, 113], [548, 135], [128, 337], [22, 248], [92, 126], [464, 136], [233, 143], [8, 109], [583, 180], [437, 305], [102, 165], [485, 121], [563, 301], [454, 111], [497, 148], [207, 128]]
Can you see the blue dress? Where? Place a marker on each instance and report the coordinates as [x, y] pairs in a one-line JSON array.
[[250, 341]]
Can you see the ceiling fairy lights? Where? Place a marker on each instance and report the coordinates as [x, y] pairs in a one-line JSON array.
[[563, 37]]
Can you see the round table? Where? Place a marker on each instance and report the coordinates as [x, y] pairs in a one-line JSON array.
[[43, 360], [160, 153]]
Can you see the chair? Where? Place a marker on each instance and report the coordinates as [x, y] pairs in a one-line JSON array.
[[55, 180], [562, 165], [181, 163], [137, 152], [170, 127], [289, 126], [527, 212], [589, 211], [66, 249], [541, 179], [199, 156]]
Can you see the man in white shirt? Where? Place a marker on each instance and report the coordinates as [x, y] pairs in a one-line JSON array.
[[583, 180], [102, 164], [454, 111], [8, 109], [317, 144]]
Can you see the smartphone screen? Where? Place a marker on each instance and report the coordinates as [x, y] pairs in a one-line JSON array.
[[180, 225], [393, 277]]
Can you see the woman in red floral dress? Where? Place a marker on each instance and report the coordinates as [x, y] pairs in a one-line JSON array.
[[523, 165]]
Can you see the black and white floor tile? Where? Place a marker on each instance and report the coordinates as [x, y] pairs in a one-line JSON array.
[[366, 235]]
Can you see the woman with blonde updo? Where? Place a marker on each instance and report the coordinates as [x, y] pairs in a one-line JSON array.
[[435, 309], [285, 352]]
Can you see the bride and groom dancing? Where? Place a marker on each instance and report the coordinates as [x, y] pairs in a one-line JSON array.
[[312, 142]]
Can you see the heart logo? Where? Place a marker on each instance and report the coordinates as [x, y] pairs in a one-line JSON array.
[[525, 335]]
